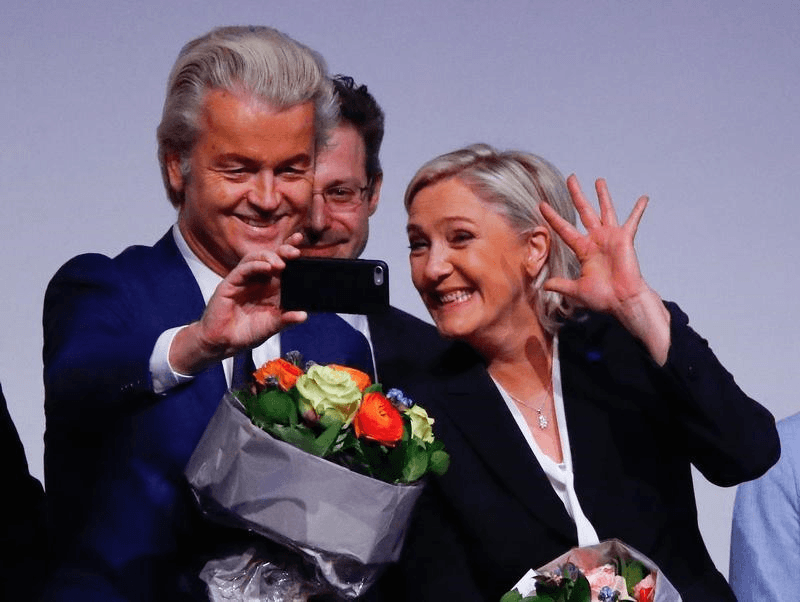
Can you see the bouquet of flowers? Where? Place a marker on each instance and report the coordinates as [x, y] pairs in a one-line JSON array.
[[606, 572], [318, 459], [336, 412]]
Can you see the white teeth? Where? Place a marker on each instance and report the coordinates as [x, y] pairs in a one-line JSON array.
[[257, 223], [454, 297]]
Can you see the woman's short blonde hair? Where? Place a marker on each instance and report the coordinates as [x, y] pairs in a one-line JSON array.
[[514, 183]]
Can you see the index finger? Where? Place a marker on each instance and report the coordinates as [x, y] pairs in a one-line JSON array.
[[259, 264], [561, 226]]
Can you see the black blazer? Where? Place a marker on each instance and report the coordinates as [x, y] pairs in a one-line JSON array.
[[634, 430], [125, 524]]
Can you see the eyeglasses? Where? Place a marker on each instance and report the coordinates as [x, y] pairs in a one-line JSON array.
[[342, 197]]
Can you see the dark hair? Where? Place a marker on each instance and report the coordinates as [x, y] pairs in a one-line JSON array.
[[359, 108]]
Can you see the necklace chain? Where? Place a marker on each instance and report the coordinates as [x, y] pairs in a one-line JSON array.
[[541, 418]]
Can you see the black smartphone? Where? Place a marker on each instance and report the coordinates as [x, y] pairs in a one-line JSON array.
[[348, 286]]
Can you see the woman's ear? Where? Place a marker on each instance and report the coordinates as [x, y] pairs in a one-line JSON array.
[[538, 244]]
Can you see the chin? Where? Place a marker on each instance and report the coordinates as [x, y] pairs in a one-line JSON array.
[[334, 251], [319, 252], [451, 331]]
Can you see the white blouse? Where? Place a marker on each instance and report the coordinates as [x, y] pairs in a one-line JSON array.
[[560, 475]]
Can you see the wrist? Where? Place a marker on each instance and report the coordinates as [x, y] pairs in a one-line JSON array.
[[646, 318], [191, 351]]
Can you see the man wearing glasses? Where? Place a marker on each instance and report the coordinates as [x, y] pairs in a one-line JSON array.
[[347, 186], [348, 177]]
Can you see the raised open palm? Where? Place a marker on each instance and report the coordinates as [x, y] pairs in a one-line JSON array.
[[610, 275], [610, 280]]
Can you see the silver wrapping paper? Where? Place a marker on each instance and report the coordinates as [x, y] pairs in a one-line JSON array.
[[339, 519]]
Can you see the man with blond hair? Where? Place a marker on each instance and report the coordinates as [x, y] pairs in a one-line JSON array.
[[139, 348]]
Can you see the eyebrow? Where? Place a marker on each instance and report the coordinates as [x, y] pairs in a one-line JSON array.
[[303, 158], [343, 181], [447, 220]]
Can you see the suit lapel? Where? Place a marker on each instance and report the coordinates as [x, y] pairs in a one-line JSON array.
[[386, 346], [585, 386], [179, 291], [181, 302], [473, 405], [477, 409], [404, 347]]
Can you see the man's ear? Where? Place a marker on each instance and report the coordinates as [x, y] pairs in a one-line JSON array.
[[376, 194], [538, 244], [176, 179]]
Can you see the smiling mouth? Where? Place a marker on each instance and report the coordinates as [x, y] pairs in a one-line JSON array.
[[256, 222], [451, 298]]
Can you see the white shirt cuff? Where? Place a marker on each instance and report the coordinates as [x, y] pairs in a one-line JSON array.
[[163, 376]]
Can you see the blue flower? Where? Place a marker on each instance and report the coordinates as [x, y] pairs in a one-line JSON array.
[[572, 571], [294, 357], [606, 594], [399, 398]]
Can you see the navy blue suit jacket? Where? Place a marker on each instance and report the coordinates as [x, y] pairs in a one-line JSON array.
[[125, 526], [634, 427]]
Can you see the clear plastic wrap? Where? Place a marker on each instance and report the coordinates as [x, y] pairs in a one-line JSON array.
[[597, 555]]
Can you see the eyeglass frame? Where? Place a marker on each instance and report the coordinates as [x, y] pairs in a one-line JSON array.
[[351, 203]]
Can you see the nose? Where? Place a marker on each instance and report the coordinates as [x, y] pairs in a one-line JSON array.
[[318, 219], [263, 193], [438, 265]]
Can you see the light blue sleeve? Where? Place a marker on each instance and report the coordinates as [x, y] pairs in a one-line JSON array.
[[765, 536]]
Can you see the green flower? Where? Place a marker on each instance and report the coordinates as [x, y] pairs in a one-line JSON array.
[[420, 423], [332, 394]]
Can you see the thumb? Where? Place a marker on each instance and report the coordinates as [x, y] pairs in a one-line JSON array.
[[565, 286]]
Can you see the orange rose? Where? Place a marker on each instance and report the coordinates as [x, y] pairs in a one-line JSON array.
[[377, 419], [284, 372], [361, 379]]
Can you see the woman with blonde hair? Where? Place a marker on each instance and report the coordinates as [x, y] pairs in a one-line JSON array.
[[573, 400]]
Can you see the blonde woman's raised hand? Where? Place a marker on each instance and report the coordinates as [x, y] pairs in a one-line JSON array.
[[610, 280]]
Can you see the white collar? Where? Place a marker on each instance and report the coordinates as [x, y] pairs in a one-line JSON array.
[[207, 279]]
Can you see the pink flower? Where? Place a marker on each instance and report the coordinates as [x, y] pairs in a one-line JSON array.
[[645, 590], [605, 576]]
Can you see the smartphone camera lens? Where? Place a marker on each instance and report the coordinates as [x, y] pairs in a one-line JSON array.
[[377, 275]]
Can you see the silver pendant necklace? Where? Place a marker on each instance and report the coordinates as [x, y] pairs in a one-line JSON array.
[[541, 418]]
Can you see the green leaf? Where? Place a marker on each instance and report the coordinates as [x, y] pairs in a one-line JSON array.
[[416, 463], [247, 399], [512, 596], [633, 572], [375, 388], [439, 462], [298, 436], [437, 445], [275, 406], [322, 445], [581, 591]]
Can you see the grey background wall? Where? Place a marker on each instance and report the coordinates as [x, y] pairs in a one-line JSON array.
[[694, 102]]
